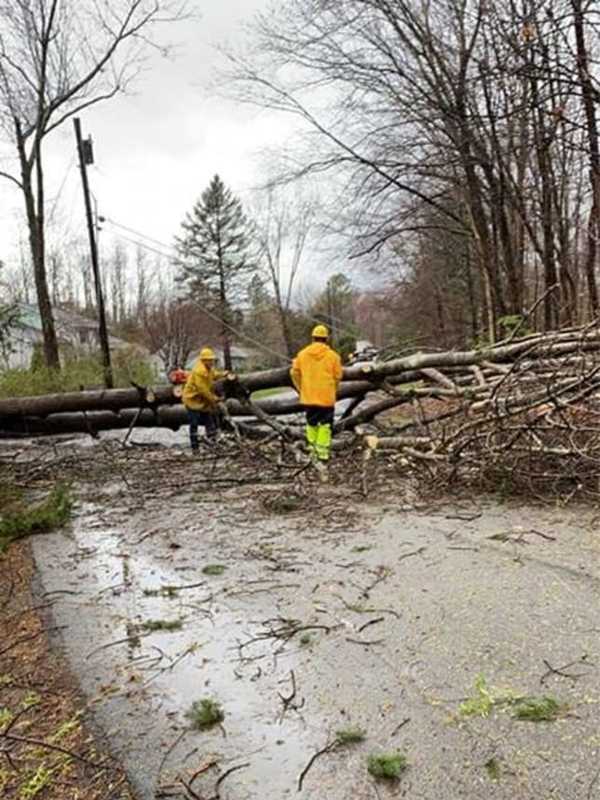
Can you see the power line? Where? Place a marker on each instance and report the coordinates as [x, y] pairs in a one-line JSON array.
[[143, 245], [218, 319], [238, 333], [319, 320], [139, 234], [341, 324]]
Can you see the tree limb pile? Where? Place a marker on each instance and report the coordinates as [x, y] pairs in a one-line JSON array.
[[531, 422], [526, 409]]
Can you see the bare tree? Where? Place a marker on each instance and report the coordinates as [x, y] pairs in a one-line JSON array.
[[57, 58], [173, 329], [282, 229], [142, 284], [117, 270], [459, 119], [589, 98], [9, 319]]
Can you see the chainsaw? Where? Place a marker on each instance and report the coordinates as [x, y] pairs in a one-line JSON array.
[[177, 376]]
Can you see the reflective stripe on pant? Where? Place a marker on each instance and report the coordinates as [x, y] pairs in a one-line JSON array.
[[319, 422], [311, 437], [323, 445]]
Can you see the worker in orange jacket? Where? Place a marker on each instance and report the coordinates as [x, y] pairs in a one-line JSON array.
[[200, 399], [316, 373]]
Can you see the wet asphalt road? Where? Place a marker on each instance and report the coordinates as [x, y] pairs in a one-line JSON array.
[[366, 616]]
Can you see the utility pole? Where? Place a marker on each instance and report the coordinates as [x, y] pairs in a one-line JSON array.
[[86, 156]]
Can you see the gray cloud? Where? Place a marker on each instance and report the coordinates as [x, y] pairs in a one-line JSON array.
[[157, 149]]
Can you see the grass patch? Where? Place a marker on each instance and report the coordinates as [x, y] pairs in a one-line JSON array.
[[268, 392], [76, 371], [214, 569], [486, 698], [532, 709], [36, 783], [6, 716], [205, 713], [492, 767], [31, 699], [362, 548], [350, 735], [162, 625], [537, 709], [10, 495], [66, 729], [51, 513], [305, 639], [388, 766]]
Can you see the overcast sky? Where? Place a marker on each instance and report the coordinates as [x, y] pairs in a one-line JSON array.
[[155, 151]]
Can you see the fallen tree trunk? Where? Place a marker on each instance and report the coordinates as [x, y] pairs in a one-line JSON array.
[[451, 365], [497, 382], [164, 416], [276, 405], [117, 399]]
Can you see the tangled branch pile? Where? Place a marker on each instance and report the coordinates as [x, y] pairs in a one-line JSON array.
[[524, 411], [528, 422]]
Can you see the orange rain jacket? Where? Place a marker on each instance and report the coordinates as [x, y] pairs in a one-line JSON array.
[[198, 392], [316, 373]]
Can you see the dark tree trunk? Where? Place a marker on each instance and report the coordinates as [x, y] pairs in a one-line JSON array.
[[589, 98], [35, 224]]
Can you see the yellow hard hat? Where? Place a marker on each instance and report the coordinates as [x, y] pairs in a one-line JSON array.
[[206, 354], [320, 332]]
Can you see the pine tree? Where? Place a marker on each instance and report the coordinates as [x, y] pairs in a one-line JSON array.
[[214, 251]]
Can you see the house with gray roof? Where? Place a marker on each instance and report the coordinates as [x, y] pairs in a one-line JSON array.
[[73, 331]]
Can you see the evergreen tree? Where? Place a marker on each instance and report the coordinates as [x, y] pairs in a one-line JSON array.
[[214, 251]]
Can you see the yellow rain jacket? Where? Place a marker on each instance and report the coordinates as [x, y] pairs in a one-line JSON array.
[[198, 392], [316, 373]]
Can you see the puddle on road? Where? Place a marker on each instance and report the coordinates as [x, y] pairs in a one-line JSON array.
[[129, 585], [437, 616]]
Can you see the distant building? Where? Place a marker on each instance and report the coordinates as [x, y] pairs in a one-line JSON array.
[[73, 331]]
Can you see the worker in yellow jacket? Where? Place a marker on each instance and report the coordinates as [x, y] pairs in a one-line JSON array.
[[200, 398], [316, 373]]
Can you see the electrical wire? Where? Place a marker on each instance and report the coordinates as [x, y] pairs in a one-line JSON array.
[[139, 234], [216, 318], [203, 308], [143, 245], [239, 333]]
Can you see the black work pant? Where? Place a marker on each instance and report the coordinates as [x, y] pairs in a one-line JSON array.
[[207, 420], [319, 415]]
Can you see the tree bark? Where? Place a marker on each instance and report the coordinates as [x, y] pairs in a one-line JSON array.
[[357, 380], [34, 205], [589, 99]]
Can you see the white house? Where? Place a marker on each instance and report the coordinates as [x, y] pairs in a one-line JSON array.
[[72, 331]]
